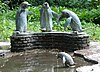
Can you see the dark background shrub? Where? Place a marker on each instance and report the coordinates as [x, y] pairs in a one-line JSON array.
[[67, 3], [89, 10]]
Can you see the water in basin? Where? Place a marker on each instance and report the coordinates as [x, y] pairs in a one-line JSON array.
[[37, 60]]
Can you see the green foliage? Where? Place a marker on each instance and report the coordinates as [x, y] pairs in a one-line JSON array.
[[89, 15], [92, 30], [89, 4], [6, 24], [68, 3], [6, 29], [3, 7], [7, 21]]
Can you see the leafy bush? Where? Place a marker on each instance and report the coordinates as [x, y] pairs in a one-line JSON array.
[[7, 21], [92, 15], [68, 3], [64, 3]]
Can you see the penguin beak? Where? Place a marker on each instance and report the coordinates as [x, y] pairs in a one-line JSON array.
[[29, 4]]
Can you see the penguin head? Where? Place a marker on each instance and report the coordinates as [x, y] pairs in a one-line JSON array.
[[65, 14], [60, 55], [24, 5], [45, 5]]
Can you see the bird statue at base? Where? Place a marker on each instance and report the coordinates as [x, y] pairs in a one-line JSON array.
[[67, 59], [46, 15]]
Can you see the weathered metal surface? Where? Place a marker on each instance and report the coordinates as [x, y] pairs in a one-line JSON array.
[[60, 40]]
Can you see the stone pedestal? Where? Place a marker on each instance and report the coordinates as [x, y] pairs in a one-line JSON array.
[[59, 40]]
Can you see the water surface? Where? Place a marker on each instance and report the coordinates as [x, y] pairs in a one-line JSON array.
[[37, 60]]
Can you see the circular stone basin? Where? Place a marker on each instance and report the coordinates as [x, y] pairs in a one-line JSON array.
[[69, 41]]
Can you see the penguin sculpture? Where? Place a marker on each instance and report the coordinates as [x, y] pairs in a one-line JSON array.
[[66, 58], [72, 20], [46, 15], [21, 17]]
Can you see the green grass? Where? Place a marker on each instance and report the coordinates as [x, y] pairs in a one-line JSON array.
[[7, 23]]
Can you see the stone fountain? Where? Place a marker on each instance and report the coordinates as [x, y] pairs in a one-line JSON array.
[[22, 40]]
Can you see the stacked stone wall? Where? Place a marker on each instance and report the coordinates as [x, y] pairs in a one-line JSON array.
[[48, 40]]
